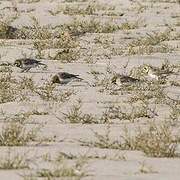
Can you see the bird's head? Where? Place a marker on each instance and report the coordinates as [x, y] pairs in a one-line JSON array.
[[55, 79], [146, 69], [17, 63]]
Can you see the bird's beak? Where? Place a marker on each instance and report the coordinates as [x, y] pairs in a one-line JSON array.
[[113, 80]]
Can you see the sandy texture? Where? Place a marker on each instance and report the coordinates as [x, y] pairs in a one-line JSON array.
[[99, 52]]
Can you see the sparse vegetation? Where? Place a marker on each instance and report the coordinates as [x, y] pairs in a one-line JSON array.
[[156, 141], [16, 134], [75, 115], [130, 113], [13, 89], [80, 27], [91, 8], [62, 168], [60, 172], [124, 111], [16, 161], [7, 31], [145, 168]]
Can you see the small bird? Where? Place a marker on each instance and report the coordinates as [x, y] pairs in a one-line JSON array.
[[27, 63], [120, 79], [157, 73], [151, 72], [65, 78]]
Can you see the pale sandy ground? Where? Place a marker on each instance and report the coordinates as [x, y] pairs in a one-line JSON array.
[[156, 15]]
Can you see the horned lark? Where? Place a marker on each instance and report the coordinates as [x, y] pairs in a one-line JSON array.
[[151, 73], [26, 64], [158, 73], [119, 79], [65, 78]]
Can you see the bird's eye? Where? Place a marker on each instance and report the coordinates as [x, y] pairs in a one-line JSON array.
[[17, 63], [146, 69]]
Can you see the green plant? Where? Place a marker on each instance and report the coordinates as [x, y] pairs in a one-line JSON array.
[[157, 141], [7, 91], [80, 27], [16, 161], [117, 156], [103, 141], [7, 31], [152, 39], [130, 113], [145, 168], [36, 32], [48, 92], [174, 112], [92, 8], [151, 43], [16, 134], [28, 1], [67, 55], [75, 115], [66, 45], [62, 169], [129, 25]]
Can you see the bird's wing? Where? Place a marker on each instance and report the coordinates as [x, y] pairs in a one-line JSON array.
[[127, 79], [65, 75], [29, 61]]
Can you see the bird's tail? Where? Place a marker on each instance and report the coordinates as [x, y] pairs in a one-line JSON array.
[[79, 78], [40, 63]]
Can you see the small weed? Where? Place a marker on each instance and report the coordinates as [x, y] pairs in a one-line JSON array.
[[28, 1], [91, 8], [47, 92], [75, 115], [75, 1], [62, 40], [62, 169], [152, 43], [156, 141], [116, 112], [103, 141], [21, 118], [5, 69], [130, 25], [36, 32], [80, 27], [13, 162], [66, 55], [163, 48], [7, 91], [174, 113], [117, 156], [152, 39], [60, 172], [7, 31], [145, 168], [153, 92], [16, 134]]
